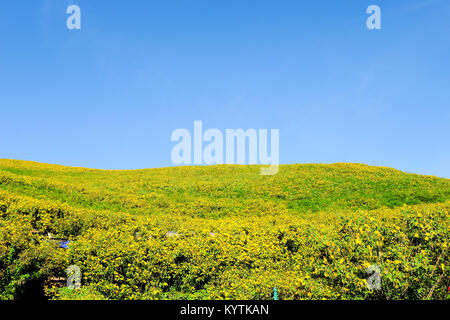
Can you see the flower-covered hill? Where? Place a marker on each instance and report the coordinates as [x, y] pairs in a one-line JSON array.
[[223, 232], [227, 190]]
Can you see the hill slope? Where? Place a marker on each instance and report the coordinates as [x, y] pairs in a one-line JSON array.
[[224, 190], [311, 231]]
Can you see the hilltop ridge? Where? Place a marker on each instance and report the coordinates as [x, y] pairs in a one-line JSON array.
[[224, 189]]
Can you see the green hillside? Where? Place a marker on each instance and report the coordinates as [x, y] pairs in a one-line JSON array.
[[223, 190], [311, 231]]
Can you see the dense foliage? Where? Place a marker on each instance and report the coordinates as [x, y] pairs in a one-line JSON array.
[[311, 231]]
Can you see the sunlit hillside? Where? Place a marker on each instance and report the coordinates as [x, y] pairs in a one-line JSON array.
[[222, 232]]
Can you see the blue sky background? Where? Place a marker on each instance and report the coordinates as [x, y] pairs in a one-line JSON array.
[[110, 95]]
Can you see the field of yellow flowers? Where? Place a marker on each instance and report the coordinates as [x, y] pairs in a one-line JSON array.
[[223, 232]]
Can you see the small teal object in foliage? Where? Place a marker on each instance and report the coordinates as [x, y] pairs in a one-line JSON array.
[[275, 294], [64, 244]]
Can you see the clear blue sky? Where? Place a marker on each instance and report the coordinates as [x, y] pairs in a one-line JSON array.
[[110, 95]]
